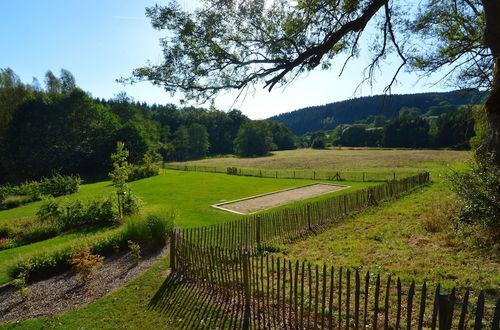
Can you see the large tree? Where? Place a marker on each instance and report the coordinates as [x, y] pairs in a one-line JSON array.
[[235, 44]]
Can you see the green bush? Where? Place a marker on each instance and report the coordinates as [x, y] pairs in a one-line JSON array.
[[59, 185], [131, 204], [478, 192], [39, 232], [150, 230], [50, 210], [160, 224], [142, 172]]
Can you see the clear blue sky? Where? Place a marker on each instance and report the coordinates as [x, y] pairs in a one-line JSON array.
[[100, 41]]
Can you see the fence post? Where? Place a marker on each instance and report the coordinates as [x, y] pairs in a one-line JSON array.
[[443, 305], [172, 251], [314, 175], [309, 216], [363, 176], [394, 176], [257, 230], [246, 286]]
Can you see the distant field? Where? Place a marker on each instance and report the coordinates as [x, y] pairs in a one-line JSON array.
[[347, 158]]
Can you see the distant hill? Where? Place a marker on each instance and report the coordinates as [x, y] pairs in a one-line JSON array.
[[328, 116]]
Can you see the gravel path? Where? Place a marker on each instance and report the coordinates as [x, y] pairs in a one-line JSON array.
[[270, 200], [65, 292]]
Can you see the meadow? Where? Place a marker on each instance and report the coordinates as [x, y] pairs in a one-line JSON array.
[[392, 238]]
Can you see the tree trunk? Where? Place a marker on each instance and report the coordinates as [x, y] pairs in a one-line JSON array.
[[492, 106]]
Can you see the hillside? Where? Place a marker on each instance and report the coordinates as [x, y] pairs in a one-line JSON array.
[[328, 116]]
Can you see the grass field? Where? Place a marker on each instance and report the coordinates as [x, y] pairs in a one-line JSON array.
[[189, 194], [390, 238], [371, 159]]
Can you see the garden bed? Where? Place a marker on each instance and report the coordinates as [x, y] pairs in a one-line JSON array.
[[66, 291]]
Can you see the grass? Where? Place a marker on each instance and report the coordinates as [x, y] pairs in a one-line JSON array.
[[359, 159], [392, 239], [190, 194], [170, 190]]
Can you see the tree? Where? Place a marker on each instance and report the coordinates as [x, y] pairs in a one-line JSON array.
[[198, 141], [239, 44], [253, 139], [52, 84], [68, 82]]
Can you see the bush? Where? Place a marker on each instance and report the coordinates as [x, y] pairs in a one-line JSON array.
[[478, 193], [318, 143], [84, 263], [142, 230], [59, 185], [39, 232], [160, 224], [142, 172], [50, 210], [131, 204]]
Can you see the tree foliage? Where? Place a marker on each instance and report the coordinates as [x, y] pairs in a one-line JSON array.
[[253, 139], [239, 44]]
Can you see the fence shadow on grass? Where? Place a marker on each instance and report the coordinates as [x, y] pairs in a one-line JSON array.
[[190, 304]]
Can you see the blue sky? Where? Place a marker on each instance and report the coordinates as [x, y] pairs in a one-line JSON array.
[[100, 41]]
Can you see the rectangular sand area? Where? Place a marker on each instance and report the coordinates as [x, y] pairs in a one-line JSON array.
[[277, 198]]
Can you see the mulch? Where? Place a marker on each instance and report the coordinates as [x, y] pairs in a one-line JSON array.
[[67, 291]]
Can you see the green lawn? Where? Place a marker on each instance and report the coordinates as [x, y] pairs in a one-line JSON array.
[[190, 194]]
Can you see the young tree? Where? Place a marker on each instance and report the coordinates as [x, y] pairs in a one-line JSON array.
[[238, 44], [121, 167]]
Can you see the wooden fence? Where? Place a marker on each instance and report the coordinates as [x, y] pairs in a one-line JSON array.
[[280, 293], [344, 175], [252, 231]]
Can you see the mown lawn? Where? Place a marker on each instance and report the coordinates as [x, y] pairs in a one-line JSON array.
[[189, 194], [392, 239]]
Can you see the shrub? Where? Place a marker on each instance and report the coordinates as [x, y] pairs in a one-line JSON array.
[[84, 263], [142, 172], [136, 250], [478, 192], [50, 210], [59, 185], [136, 229], [160, 224], [131, 204], [319, 143], [38, 232]]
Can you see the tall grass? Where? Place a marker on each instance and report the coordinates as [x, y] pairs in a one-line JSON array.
[[150, 230]]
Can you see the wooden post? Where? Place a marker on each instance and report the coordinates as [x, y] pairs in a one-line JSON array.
[[363, 176], [172, 251], [394, 176], [314, 175], [443, 309], [309, 216], [246, 285], [257, 229]]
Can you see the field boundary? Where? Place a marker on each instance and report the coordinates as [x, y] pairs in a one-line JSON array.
[[319, 174], [219, 205]]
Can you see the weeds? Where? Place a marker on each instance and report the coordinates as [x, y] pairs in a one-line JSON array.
[[136, 251]]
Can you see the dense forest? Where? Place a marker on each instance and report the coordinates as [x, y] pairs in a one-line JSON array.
[[459, 128], [60, 128], [383, 107]]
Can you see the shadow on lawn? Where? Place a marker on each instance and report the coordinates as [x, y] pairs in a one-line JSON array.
[[192, 305]]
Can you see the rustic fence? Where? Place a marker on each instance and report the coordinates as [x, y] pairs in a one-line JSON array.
[[252, 231], [279, 293], [344, 175]]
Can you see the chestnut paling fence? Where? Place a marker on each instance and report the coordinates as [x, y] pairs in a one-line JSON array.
[[252, 231], [280, 293], [332, 175], [269, 292]]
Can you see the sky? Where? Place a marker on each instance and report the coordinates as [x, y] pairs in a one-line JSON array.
[[102, 40]]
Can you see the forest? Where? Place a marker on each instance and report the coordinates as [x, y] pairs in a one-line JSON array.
[[61, 128], [329, 116]]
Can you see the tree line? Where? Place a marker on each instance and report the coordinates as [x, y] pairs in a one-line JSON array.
[[60, 128], [445, 126]]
